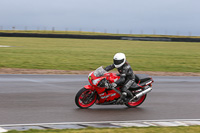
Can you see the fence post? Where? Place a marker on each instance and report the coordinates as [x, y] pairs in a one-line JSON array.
[[38, 29], [177, 33], [154, 31], [117, 31], [13, 28], [130, 31], [141, 31], [165, 32]]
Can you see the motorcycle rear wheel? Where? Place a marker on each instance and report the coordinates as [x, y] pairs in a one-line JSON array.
[[136, 103], [83, 99]]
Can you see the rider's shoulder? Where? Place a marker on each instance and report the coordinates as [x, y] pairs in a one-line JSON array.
[[127, 65]]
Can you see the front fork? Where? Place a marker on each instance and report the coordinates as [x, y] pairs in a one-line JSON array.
[[93, 91]]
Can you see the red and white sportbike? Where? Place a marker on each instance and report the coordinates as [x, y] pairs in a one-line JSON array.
[[100, 93]]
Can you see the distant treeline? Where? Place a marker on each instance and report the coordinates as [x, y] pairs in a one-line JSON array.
[[99, 37]]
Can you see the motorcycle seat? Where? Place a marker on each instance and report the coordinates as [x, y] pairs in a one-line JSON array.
[[141, 78], [134, 86]]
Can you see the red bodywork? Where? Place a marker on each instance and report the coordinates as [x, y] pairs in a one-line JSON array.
[[104, 94]]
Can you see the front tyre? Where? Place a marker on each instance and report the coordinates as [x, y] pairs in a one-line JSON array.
[[85, 98], [136, 103]]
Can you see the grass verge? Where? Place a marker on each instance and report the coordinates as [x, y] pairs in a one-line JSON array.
[[190, 129], [85, 54]]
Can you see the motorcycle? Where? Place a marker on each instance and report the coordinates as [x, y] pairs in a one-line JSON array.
[[100, 92]]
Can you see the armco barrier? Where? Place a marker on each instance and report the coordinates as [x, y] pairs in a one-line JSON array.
[[59, 36], [99, 37]]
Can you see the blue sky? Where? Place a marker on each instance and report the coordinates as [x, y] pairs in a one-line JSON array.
[[180, 17]]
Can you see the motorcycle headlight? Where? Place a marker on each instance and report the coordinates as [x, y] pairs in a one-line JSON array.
[[94, 82]]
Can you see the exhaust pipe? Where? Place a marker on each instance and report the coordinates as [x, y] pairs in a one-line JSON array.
[[142, 93]]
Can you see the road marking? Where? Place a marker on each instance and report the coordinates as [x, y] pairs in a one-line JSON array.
[[3, 130], [98, 124], [4, 46], [131, 124], [193, 121]]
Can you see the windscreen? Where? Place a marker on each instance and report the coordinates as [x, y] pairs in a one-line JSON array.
[[99, 72]]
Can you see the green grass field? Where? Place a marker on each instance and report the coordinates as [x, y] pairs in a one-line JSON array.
[[190, 129], [85, 54]]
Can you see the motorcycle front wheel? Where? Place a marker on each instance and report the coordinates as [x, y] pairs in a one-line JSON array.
[[85, 98]]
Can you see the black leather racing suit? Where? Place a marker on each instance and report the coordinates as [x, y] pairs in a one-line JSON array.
[[127, 77]]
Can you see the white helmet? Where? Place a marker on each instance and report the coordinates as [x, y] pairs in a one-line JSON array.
[[119, 59]]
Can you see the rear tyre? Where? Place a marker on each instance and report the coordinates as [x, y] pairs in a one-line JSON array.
[[85, 98], [136, 103]]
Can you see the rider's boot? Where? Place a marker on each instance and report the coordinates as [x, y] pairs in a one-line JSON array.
[[122, 98], [129, 94], [125, 97]]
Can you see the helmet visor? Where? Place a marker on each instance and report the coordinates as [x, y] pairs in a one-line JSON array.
[[118, 62]]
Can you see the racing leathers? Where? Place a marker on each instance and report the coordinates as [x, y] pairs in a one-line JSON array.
[[127, 78]]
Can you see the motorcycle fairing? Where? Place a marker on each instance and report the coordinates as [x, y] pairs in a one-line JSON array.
[[112, 77], [89, 87], [107, 96]]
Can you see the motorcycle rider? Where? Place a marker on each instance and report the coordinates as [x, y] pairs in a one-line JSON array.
[[127, 77]]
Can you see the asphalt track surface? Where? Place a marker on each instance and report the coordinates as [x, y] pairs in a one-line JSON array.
[[28, 99]]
